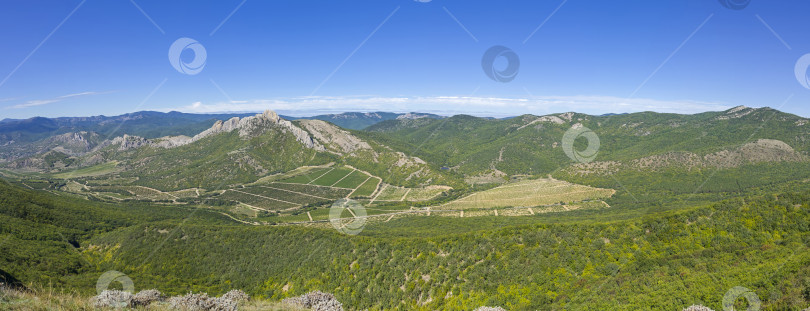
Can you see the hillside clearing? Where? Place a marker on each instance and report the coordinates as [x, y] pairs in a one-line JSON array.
[[529, 193]]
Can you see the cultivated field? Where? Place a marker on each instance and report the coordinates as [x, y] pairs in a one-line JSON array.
[[529, 193], [317, 186], [390, 193]]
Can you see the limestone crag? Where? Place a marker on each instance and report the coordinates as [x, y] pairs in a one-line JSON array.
[[248, 127], [256, 125], [127, 142]]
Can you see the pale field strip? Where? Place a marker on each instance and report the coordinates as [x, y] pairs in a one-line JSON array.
[[185, 193], [342, 178], [290, 183], [255, 208], [327, 172], [526, 201], [405, 195], [358, 187], [424, 194], [261, 196], [522, 198], [378, 193], [239, 220], [296, 192], [542, 192], [534, 188], [392, 194], [155, 190]]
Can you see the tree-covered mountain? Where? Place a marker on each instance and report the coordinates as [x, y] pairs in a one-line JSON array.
[[362, 120], [533, 144], [241, 150]]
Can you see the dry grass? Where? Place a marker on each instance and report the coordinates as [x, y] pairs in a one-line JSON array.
[[529, 193]]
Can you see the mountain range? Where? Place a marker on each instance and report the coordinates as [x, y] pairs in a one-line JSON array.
[[460, 211]]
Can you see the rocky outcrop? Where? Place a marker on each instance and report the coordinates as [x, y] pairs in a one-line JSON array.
[[697, 308], [336, 139], [172, 141], [412, 116], [254, 126], [247, 127], [189, 302], [127, 142], [736, 112], [549, 119]]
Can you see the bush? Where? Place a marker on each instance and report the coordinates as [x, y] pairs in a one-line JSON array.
[[201, 302], [236, 295], [112, 299], [317, 301], [697, 308], [146, 297]]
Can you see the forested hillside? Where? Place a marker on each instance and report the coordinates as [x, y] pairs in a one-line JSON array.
[[659, 261]]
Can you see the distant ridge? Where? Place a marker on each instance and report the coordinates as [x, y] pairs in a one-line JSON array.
[[362, 120]]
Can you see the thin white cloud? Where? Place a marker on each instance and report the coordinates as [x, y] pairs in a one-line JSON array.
[[450, 105], [40, 102]]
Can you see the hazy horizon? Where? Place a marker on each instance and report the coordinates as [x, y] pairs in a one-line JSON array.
[[450, 56]]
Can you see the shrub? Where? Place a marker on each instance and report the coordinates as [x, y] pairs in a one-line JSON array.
[[112, 299], [317, 300], [146, 297], [201, 302], [236, 295]]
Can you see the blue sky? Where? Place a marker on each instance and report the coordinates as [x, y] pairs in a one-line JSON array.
[[79, 58]]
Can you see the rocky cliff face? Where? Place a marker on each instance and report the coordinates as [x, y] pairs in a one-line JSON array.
[[247, 127], [127, 142], [335, 139]]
